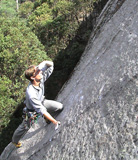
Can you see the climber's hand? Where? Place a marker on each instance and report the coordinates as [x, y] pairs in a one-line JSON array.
[[57, 125]]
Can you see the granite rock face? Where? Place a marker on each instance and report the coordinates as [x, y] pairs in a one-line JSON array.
[[100, 118]]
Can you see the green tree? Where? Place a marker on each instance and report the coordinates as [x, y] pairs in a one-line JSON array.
[[26, 9], [52, 23], [8, 8], [19, 48], [56, 22]]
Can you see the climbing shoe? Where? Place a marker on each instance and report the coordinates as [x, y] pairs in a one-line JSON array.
[[17, 145]]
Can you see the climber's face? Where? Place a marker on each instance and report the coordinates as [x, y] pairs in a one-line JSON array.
[[37, 74]]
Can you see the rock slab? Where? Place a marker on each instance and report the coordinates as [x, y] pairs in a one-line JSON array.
[[100, 118]]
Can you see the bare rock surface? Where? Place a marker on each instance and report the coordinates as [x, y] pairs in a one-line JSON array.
[[100, 118]]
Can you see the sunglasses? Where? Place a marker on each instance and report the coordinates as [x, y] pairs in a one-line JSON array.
[[37, 71]]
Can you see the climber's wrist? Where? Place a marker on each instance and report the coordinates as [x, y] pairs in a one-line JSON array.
[[55, 122]]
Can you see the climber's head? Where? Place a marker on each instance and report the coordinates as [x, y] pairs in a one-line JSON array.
[[33, 73]]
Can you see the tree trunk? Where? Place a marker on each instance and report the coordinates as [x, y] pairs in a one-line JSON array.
[[17, 5]]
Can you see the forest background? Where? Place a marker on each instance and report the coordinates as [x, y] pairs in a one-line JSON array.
[[32, 31]]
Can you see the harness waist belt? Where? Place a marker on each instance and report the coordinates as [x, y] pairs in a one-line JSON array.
[[30, 110]]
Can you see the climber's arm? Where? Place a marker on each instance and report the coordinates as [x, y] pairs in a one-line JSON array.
[[50, 118]]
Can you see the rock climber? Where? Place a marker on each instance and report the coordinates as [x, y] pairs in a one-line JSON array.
[[35, 101]]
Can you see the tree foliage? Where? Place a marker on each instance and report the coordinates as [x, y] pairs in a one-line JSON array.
[[55, 22], [26, 9], [8, 8], [19, 48]]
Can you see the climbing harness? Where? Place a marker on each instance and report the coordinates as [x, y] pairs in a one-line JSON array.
[[30, 117]]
